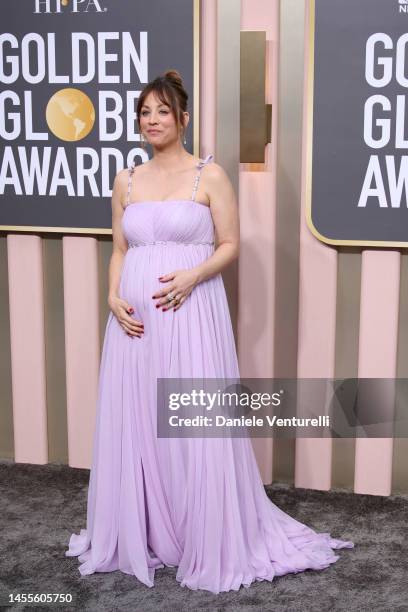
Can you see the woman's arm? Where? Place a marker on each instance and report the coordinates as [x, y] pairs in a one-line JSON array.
[[119, 244], [120, 307], [224, 211]]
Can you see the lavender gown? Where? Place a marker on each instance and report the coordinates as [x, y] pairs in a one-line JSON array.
[[198, 504]]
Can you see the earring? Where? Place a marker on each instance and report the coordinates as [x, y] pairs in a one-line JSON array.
[[185, 141], [142, 140]]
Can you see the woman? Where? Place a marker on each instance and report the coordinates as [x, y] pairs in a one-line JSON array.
[[195, 503]]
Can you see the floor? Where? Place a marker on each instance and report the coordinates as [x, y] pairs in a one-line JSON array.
[[41, 505]]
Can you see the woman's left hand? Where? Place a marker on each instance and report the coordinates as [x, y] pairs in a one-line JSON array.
[[182, 282]]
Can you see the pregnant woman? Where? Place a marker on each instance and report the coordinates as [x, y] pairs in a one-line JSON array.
[[197, 504]]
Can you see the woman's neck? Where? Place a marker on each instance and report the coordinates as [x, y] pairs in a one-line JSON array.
[[168, 159]]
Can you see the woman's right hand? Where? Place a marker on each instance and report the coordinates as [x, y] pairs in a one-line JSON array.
[[122, 311]]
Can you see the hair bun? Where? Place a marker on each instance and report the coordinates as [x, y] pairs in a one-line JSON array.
[[174, 76]]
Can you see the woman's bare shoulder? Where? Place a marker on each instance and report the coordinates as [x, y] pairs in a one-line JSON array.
[[123, 173], [215, 172], [122, 176]]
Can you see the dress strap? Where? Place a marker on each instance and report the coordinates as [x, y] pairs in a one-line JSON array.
[[200, 165], [131, 170]]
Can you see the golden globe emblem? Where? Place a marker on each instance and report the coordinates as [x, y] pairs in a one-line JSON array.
[[70, 114]]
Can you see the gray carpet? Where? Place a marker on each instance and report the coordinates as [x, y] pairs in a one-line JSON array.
[[42, 505]]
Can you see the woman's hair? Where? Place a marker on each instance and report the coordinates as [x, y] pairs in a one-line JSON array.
[[169, 90]]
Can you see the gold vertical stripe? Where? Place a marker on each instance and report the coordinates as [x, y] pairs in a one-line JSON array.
[[400, 465], [346, 352], [54, 350], [288, 209]]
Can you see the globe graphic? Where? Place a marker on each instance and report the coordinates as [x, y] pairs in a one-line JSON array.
[[70, 114]]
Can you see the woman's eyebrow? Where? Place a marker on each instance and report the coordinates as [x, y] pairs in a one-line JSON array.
[[147, 106]]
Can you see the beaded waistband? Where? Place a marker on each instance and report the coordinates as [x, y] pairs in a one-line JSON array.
[[137, 244]]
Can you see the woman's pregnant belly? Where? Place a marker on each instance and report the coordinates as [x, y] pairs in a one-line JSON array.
[[142, 267]]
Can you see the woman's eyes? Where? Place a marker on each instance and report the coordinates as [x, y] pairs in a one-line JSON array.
[[162, 111]]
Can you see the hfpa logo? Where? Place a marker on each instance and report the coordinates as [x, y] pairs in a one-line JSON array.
[[403, 6], [76, 6]]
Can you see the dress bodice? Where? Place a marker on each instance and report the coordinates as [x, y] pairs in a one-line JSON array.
[[184, 222], [171, 221]]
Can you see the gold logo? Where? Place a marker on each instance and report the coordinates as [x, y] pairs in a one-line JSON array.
[[70, 114]]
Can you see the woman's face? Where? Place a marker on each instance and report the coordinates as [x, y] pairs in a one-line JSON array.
[[157, 122]]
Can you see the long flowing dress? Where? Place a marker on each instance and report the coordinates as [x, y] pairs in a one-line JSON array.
[[197, 504]]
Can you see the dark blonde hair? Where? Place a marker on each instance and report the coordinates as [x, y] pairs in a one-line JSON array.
[[169, 90]]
